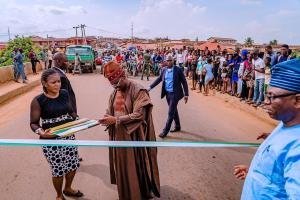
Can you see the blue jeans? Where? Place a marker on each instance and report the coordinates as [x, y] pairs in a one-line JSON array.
[[258, 96], [20, 72]]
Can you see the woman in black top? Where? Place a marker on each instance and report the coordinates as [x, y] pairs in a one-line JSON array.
[[50, 109]]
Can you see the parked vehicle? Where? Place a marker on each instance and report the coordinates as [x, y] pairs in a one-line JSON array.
[[86, 54]]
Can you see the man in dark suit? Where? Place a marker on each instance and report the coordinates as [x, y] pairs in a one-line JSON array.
[[174, 87], [60, 63]]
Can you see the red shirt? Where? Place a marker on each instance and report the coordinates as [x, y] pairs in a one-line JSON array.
[[119, 58]]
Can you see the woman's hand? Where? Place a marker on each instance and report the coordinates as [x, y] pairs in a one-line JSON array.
[[46, 134]]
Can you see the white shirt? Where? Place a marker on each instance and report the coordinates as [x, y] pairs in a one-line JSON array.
[[259, 64], [222, 60], [184, 54], [179, 58], [50, 55]]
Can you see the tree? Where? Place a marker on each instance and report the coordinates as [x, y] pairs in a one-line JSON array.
[[19, 42], [273, 42], [249, 42]]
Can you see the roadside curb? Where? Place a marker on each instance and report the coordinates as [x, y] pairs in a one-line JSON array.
[[237, 104], [256, 112], [18, 91]]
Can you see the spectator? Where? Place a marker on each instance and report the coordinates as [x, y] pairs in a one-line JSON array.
[[20, 66], [269, 53], [33, 60], [259, 68], [284, 54], [209, 76], [50, 58], [225, 77], [15, 68], [200, 72], [241, 82], [267, 73], [249, 77]]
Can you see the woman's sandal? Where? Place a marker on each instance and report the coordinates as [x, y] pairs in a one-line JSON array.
[[63, 198], [71, 194]]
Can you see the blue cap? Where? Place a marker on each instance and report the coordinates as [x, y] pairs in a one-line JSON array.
[[244, 52], [286, 75]]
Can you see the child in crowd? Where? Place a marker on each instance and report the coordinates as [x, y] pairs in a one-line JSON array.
[[224, 77]]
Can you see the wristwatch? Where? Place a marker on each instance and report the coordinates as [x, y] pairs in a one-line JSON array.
[[37, 131]]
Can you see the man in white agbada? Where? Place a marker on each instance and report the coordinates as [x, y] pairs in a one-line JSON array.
[[274, 172]]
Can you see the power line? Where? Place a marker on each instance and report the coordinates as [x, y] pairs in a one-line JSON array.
[[106, 31]]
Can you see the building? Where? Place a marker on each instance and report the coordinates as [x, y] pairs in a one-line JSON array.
[[62, 42], [221, 40], [3, 45]]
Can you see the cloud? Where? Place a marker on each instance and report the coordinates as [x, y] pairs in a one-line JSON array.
[[56, 10], [251, 2], [168, 17], [60, 10]]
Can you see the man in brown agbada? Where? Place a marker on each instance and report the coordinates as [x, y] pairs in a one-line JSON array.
[[129, 118]]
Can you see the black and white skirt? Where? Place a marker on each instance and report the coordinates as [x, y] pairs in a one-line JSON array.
[[62, 159]]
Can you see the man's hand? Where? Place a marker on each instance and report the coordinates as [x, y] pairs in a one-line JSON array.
[[263, 136], [46, 134], [240, 171], [108, 120], [186, 98]]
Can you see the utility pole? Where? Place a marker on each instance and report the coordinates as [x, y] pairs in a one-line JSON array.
[[48, 40], [131, 32], [83, 36], [8, 32], [76, 32]]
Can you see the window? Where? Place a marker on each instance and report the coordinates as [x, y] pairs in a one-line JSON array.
[[79, 50]]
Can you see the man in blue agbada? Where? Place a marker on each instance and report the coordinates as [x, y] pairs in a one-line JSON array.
[[274, 172]]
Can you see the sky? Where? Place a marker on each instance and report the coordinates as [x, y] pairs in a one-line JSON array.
[[262, 20]]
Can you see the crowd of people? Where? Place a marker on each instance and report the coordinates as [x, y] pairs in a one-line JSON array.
[[242, 73]]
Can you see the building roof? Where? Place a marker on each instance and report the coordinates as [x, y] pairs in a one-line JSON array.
[[210, 45], [220, 38]]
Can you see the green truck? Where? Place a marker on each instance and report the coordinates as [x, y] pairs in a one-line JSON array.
[[86, 54]]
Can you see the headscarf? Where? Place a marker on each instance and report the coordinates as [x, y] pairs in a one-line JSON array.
[[113, 71]]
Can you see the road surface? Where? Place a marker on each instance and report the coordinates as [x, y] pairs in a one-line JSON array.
[[185, 173]]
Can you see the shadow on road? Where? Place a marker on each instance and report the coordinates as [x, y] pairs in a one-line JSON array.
[[193, 137], [100, 171], [168, 192]]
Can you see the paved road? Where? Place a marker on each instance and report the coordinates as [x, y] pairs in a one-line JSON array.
[[185, 173]]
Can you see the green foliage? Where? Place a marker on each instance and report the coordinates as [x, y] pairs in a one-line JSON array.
[[273, 42], [249, 42], [20, 42], [296, 54]]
